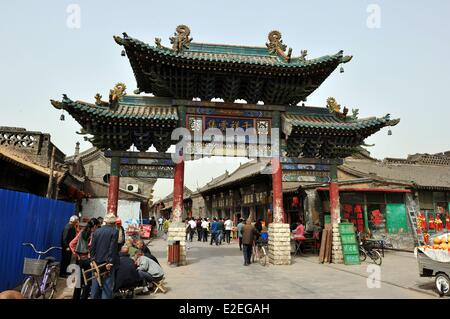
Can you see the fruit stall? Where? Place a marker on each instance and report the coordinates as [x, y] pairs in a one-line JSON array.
[[434, 261]]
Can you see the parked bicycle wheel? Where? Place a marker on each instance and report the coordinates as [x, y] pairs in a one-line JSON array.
[[376, 257], [262, 256], [362, 255], [52, 281], [30, 288]]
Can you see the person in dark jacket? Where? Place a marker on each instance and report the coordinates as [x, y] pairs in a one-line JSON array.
[[104, 250], [127, 276], [121, 231], [68, 234], [259, 227], [249, 233], [220, 232], [154, 229]]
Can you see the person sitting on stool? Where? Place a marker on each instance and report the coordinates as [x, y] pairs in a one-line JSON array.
[[299, 234], [148, 270]]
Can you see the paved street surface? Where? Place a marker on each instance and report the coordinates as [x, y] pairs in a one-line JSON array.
[[218, 272]]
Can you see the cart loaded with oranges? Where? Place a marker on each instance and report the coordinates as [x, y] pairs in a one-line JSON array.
[[434, 261]]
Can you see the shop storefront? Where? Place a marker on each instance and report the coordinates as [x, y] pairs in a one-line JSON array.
[[376, 212]]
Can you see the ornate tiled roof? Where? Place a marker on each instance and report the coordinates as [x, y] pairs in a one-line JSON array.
[[125, 110], [201, 70], [309, 119], [124, 120], [231, 54]]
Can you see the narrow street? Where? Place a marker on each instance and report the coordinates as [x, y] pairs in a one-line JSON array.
[[218, 272]]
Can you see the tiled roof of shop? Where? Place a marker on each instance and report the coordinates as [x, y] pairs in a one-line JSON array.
[[421, 176]]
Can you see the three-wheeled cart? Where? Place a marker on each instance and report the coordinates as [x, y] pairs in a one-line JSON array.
[[433, 268]]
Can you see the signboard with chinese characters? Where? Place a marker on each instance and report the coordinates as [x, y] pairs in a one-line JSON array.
[[201, 123], [147, 161], [301, 177], [306, 167], [150, 171]]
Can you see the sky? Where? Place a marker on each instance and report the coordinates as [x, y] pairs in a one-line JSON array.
[[400, 62]]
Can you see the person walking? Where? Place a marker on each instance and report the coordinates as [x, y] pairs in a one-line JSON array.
[[192, 227], [104, 251], [160, 223], [228, 227], [249, 233], [154, 231], [199, 229], [166, 225], [239, 231], [205, 225], [220, 231], [214, 229], [68, 234]]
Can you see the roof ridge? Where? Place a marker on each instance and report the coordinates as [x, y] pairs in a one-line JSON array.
[[231, 45]]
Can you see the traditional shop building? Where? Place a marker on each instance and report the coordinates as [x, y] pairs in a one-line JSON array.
[[135, 194], [382, 198], [163, 207], [27, 166]]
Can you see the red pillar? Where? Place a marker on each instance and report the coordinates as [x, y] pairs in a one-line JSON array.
[[335, 207], [113, 190], [178, 188], [277, 190]]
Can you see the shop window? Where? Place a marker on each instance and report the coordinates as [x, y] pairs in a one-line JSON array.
[[439, 197], [375, 197], [351, 197], [376, 214], [395, 198], [353, 213], [426, 200]]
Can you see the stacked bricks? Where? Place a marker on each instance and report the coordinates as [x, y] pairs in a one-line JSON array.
[[337, 257], [279, 244], [177, 232]]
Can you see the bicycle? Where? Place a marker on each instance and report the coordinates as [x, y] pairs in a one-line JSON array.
[[260, 250], [43, 275], [373, 253]]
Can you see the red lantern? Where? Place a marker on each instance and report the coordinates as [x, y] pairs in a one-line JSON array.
[[295, 201]]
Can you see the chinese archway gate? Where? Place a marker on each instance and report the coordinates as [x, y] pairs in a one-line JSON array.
[[304, 143]]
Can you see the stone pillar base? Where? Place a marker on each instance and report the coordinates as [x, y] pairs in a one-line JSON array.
[[279, 244], [336, 257], [177, 232]]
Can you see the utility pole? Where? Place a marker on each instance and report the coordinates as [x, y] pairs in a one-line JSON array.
[[50, 177]]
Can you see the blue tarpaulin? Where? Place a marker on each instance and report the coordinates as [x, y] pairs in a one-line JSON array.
[[28, 218]]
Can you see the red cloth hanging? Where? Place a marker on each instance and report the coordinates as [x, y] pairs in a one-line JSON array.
[[376, 217], [348, 208], [295, 201]]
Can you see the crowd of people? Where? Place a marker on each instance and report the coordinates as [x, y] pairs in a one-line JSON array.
[[124, 263], [218, 229]]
